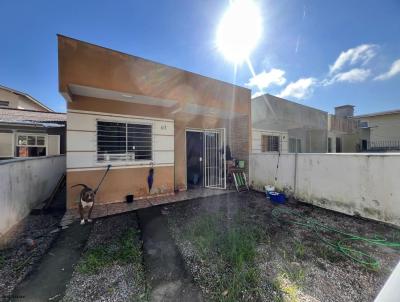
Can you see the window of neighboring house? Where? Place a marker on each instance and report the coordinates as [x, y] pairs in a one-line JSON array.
[[294, 145], [269, 143], [329, 144], [31, 145], [338, 145], [123, 141], [4, 103]]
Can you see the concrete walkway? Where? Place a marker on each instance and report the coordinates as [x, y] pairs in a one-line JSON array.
[[49, 279], [165, 270]]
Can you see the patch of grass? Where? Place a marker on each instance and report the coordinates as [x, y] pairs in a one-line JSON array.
[[299, 250], [285, 288], [125, 249], [232, 250]]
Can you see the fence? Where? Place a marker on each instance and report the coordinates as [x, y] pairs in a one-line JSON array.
[[362, 184], [24, 184]]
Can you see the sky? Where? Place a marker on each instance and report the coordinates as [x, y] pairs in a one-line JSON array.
[[318, 53]]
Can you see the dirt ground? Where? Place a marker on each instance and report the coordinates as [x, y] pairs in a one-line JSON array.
[[111, 266], [24, 247], [291, 263]]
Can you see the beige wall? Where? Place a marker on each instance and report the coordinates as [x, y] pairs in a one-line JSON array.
[[359, 183], [383, 127], [18, 101], [198, 103]]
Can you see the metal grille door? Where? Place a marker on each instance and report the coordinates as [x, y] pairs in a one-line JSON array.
[[214, 159]]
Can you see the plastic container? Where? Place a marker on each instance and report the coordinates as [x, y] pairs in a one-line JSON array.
[[277, 197], [268, 189]]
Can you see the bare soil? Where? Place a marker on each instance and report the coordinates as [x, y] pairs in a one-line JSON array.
[[292, 263]]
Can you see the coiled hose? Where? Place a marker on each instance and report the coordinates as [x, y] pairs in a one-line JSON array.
[[343, 244]]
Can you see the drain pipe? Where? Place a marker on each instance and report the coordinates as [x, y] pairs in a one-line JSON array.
[[295, 174]]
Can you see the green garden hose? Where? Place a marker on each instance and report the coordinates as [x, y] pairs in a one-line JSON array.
[[343, 244]]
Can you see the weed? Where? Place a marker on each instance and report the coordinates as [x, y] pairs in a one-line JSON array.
[[299, 250], [232, 251], [283, 285], [125, 250]]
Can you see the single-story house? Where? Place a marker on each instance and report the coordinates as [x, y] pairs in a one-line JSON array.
[[284, 126], [139, 115], [27, 127]]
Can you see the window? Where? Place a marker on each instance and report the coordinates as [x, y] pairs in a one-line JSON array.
[[123, 141], [4, 103], [269, 143], [294, 145], [31, 145]]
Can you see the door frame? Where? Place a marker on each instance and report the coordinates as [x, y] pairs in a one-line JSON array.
[[203, 131]]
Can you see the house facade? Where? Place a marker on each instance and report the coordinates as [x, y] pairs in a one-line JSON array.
[[279, 125], [379, 132], [161, 128], [28, 128]]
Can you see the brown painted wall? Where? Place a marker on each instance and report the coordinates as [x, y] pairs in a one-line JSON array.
[[119, 183], [85, 64]]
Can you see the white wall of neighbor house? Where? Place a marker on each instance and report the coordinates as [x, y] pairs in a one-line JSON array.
[[258, 133], [383, 127], [364, 184], [24, 184], [82, 139], [6, 145]]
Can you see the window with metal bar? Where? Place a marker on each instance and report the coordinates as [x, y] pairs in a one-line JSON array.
[[123, 141], [269, 143]]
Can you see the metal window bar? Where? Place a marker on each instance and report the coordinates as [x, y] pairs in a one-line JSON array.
[[123, 141]]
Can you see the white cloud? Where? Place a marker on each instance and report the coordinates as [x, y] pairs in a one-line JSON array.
[[352, 76], [265, 79], [360, 54], [394, 69], [301, 89]]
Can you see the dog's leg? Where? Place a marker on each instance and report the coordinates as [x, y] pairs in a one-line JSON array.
[[81, 213], [90, 213]]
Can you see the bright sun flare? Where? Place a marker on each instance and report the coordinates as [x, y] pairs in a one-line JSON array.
[[239, 30]]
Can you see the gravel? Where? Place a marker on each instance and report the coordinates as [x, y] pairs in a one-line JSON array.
[[114, 282], [22, 249], [316, 273]]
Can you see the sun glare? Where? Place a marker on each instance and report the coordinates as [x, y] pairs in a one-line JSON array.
[[239, 30]]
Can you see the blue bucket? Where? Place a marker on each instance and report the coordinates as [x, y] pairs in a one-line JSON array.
[[277, 197]]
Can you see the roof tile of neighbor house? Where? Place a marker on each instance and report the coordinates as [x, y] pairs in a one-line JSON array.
[[27, 96], [20, 116]]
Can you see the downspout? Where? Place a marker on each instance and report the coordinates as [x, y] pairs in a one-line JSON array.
[[295, 174]]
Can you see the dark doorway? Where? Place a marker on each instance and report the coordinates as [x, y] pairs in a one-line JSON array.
[[338, 145], [364, 145], [194, 159]]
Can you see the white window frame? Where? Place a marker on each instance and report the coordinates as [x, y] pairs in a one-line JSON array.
[[45, 135], [126, 161]]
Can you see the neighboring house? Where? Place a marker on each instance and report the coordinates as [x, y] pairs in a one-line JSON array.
[[283, 126], [379, 132], [342, 130], [374, 132], [27, 127], [136, 114]]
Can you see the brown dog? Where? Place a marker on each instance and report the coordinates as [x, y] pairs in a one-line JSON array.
[[87, 198]]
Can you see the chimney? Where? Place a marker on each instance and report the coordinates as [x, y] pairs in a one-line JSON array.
[[344, 111]]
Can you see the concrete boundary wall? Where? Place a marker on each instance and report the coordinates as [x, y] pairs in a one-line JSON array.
[[25, 182], [352, 183]]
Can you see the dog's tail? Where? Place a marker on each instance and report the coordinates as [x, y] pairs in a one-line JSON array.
[[82, 185]]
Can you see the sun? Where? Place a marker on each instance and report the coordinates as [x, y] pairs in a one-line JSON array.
[[239, 30]]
